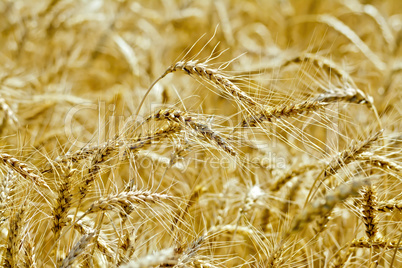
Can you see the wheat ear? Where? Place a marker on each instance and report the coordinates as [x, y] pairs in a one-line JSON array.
[[380, 162], [346, 94], [342, 159], [201, 128], [364, 242], [389, 206], [14, 237], [324, 206], [77, 250], [201, 70], [349, 155], [10, 115], [125, 199], [100, 243], [22, 168], [370, 212], [287, 176], [154, 260], [322, 63], [62, 204], [341, 259], [284, 110], [194, 68], [29, 260], [103, 151], [372, 12], [6, 188]]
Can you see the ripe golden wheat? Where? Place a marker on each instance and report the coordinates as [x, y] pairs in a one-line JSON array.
[[200, 133]]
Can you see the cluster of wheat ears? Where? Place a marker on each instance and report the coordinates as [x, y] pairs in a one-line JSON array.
[[179, 133]]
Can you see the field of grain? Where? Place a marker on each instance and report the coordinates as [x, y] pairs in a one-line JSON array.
[[215, 133]]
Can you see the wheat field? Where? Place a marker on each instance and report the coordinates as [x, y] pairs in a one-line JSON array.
[[180, 133]]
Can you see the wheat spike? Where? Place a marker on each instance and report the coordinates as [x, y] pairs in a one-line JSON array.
[[389, 206], [77, 250], [380, 162], [182, 118], [364, 242], [155, 259], [370, 217], [281, 111], [195, 68], [22, 169], [14, 237], [288, 175], [125, 199], [348, 155], [325, 205]]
